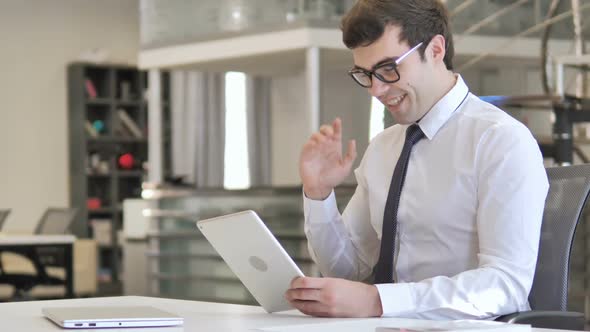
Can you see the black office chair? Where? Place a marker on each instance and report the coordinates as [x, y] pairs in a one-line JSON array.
[[568, 191], [55, 221]]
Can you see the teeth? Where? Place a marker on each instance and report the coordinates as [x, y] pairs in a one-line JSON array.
[[395, 101]]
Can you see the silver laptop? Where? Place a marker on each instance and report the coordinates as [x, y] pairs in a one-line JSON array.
[[112, 316]]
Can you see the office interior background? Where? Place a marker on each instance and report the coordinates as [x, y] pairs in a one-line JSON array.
[[124, 122]]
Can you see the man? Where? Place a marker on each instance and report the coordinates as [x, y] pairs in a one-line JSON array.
[[448, 206]]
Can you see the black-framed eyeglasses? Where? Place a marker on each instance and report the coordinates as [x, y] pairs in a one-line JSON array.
[[385, 72]]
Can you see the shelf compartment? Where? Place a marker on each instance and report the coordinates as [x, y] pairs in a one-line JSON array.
[[129, 187], [97, 82], [98, 121], [127, 85], [130, 122], [100, 188]]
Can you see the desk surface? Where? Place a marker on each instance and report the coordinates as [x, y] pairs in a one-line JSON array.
[[21, 239], [198, 316]]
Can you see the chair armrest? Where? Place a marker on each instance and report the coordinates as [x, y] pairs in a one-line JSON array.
[[564, 320]]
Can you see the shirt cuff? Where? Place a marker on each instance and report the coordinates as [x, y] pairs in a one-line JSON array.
[[317, 211], [396, 299]]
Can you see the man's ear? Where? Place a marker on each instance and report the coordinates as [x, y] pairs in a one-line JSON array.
[[437, 48]]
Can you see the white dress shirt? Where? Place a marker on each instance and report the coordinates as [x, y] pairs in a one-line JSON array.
[[469, 215]]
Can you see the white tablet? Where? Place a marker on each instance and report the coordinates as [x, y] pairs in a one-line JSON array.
[[254, 255]]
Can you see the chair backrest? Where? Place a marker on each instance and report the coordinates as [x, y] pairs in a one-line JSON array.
[[56, 221], [568, 191], [3, 214]]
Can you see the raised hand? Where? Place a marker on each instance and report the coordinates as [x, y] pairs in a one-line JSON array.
[[321, 164]]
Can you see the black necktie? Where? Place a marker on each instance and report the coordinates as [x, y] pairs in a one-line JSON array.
[[384, 267]]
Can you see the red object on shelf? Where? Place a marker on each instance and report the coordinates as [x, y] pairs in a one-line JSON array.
[[90, 89], [93, 203], [126, 161]]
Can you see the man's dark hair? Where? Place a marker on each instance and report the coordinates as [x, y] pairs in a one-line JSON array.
[[419, 20]]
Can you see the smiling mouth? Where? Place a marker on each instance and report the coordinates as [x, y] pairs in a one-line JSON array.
[[396, 101]]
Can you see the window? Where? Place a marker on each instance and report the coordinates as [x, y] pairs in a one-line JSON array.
[[237, 171], [376, 123]]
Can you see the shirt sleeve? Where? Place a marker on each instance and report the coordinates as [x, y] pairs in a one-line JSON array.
[[343, 246], [512, 187]]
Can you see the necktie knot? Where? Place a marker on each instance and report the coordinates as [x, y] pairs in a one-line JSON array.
[[414, 134]]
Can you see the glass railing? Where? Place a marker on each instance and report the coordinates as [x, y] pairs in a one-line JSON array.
[[164, 23], [182, 264]]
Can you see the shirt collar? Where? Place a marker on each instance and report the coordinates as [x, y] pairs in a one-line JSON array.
[[440, 113]]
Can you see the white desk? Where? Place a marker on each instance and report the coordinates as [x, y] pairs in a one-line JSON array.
[[198, 316], [16, 239], [29, 245]]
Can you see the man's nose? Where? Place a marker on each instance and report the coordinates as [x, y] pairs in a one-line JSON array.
[[378, 88]]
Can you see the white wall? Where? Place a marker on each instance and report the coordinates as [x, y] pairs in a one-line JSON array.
[[39, 38], [289, 120]]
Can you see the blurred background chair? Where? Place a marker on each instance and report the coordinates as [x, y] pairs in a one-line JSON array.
[[569, 187], [39, 273], [3, 214], [56, 221]]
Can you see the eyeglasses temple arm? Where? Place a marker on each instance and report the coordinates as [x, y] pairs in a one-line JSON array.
[[407, 53]]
